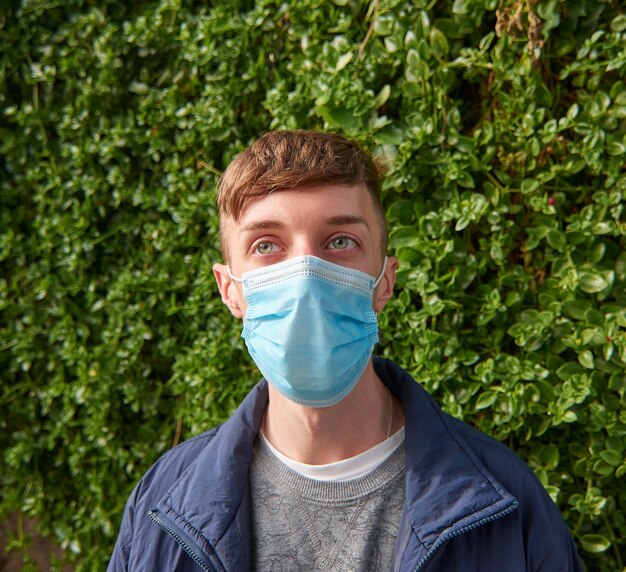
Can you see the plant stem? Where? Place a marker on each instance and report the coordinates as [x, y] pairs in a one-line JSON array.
[[616, 551]]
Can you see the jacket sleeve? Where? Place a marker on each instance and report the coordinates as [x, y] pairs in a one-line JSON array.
[[573, 562], [119, 558], [121, 552], [550, 545]]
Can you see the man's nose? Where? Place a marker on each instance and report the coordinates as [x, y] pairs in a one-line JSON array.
[[306, 246]]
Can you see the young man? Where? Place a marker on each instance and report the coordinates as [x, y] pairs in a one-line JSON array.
[[339, 461]]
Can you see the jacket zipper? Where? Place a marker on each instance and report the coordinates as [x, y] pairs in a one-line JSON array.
[[188, 549], [463, 530]]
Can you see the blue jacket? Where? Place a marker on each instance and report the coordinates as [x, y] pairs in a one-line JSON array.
[[471, 504]]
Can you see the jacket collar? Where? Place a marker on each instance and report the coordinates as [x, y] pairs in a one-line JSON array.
[[448, 488]]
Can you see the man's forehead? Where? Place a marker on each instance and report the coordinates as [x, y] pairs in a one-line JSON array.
[[347, 200]]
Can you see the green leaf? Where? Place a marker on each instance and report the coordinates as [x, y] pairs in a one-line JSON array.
[[343, 61], [607, 351], [139, 88], [620, 98], [616, 148], [403, 237], [572, 112], [593, 316], [612, 457], [556, 239], [601, 228], [549, 457], [618, 24], [460, 7], [462, 223], [438, 42], [383, 26], [382, 96], [534, 237], [586, 359], [343, 118], [569, 369], [569, 416], [591, 282], [390, 135], [603, 468], [464, 179], [534, 147], [486, 399], [530, 185], [616, 442], [595, 543], [577, 309]]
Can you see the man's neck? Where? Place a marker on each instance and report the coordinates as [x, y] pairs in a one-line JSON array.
[[322, 435]]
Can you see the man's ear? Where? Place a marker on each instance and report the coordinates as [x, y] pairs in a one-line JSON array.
[[229, 291], [384, 290]]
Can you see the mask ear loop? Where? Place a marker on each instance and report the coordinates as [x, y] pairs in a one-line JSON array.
[[240, 280], [382, 273]]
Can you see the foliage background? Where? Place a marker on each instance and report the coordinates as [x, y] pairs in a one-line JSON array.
[[503, 125]]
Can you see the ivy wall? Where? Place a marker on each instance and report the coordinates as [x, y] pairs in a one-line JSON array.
[[503, 124]]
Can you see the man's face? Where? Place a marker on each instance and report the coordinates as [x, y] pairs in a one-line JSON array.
[[336, 223]]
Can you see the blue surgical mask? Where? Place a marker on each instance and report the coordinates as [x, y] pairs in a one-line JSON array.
[[310, 327]]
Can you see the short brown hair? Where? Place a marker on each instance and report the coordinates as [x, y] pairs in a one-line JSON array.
[[283, 160]]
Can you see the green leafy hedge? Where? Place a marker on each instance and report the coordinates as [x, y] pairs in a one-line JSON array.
[[503, 123]]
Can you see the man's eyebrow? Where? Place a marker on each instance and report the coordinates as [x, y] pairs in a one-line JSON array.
[[345, 219], [267, 224]]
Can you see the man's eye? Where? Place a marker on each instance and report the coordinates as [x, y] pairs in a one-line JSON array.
[[264, 247], [341, 243]]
